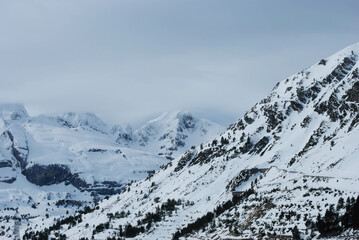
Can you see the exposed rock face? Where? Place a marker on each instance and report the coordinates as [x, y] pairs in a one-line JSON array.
[[104, 188], [184, 160], [76, 181], [18, 149], [56, 173], [10, 180], [5, 163], [47, 175], [353, 93]]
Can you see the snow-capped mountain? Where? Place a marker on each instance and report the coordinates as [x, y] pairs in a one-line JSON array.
[[169, 135], [72, 148], [84, 120], [269, 175], [12, 112], [80, 149], [53, 164]]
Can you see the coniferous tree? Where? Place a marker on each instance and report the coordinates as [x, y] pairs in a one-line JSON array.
[[296, 233], [340, 203], [356, 214]]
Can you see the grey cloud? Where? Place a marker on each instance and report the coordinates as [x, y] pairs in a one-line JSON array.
[[128, 60]]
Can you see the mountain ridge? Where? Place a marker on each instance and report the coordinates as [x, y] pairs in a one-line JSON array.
[[34, 140]]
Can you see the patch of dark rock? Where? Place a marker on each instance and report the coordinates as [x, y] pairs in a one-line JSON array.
[[260, 145], [5, 163], [67, 202], [76, 181], [242, 177], [305, 122], [47, 174], [240, 125], [10, 180], [20, 157], [304, 95], [184, 160], [248, 145], [322, 62], [104, 191], [97, 150], [248, 119], [202, 157], [296, 106], [188, 121], [355, 73], [274, 117], [341, 70], [353, 93]]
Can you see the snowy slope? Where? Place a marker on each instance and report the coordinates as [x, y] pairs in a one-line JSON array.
[[297, 149], [37, 204]]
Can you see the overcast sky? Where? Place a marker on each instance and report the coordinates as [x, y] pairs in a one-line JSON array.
[[127, 61]]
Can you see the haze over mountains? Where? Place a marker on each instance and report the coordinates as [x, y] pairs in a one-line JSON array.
[[289, 161]]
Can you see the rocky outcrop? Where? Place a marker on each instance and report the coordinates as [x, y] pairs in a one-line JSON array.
[[5, 163], [20, 153], [10, 180], [353, 93], [187, 156], [44, 175], [47, 174]]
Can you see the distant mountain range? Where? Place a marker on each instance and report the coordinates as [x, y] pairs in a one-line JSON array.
[[72, 159], [80, 149]]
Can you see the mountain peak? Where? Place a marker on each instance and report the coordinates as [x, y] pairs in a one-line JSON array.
[[87, 120], [12, 111], [171, 116], [170, 133]]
